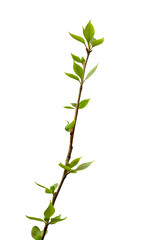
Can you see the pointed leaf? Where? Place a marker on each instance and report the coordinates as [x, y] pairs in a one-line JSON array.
[[72, 76], [68, 107], [49, 211], [78, 70], [47, 190], [96, 42], [89, 31], [76, 58], [54, 186], [83, 166], [57, 219], [35, 231], [74, 162], [78, 38], [36, 219], [83, 103], [82, 60], [91, 72], [74, 105], [65, 167], [70, 126]]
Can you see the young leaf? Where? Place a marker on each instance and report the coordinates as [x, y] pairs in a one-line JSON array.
[[91, 72], [68, 107], [74, 162], [78, 70], [89, 31], [35, 231], [47, 190], [49, 211], [54, 186], [36, 219], [78, 38], [70, 126], [82, 60], [39, 236], [83, 166], [73, 104], [83, 103], [57, 219], [72, 76], [65, 167], [95, 42], [76, 58]]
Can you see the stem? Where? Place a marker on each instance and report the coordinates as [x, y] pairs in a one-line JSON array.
[[70, 143]]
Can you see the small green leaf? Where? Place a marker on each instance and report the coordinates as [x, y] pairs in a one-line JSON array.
[[83, 103], [65, 167], [74, 162], [74, 105], [47, 190], [91, 72], [49, 211], [38, 237], [95, 42], [78, 70], [83, 166], [57, 219], [68, 107], [54, 186], [36, 219], [72, 76], [76, 58], [89, 31], [35, 231], [78, 38], [70, 126], [82, 60]]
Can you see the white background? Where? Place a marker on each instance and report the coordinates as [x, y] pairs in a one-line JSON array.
[[105, 201]]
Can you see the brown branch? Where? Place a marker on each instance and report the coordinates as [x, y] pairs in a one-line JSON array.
[[70, 143]]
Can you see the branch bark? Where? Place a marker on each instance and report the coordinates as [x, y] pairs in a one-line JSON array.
[[70, 143]]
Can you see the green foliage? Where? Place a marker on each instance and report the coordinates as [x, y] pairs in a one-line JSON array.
[[78, 38], [74, 162], [91, 72], [35, 231], [89, 31], [83, 166], [76, 58], [57, 219], [49, 190], [83, 103], [72, 76], [69, 126], [82, 60], [65, 167], [49, 211], [36, 219], [74, 105], [68, 107], [78, 70], [95, 42]]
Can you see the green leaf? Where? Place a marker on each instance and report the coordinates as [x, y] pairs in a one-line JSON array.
[[65, 167], [95, 42], [54, 186], [38, 237], [36, 219], [76, 58], [57, 219], [70, 126], [78, 70], [83, 166], [74, 105], [68, 107], [83, 103], [47, 190], [72, 76], [74, 162], [91, 72], [89, 31], [82, 60], [35, 231], [49, 211], [78, 38]]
